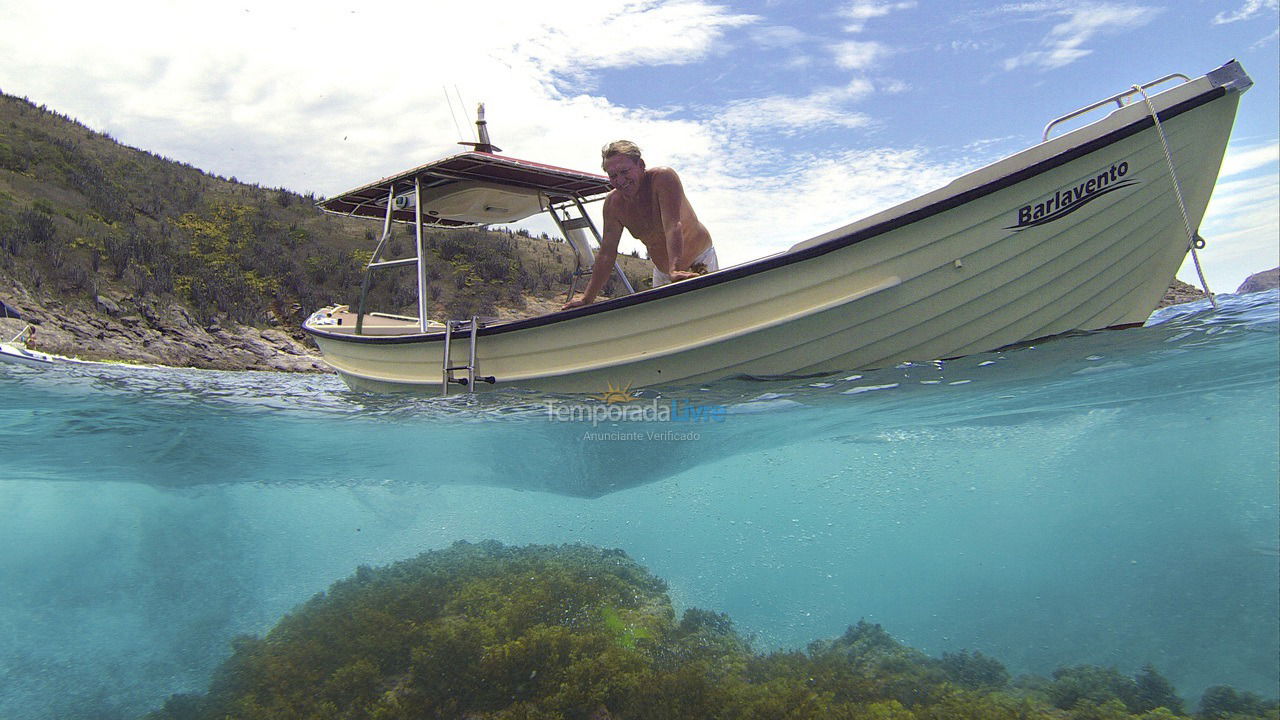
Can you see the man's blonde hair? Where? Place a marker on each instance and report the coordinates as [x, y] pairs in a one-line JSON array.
[[620, 147]]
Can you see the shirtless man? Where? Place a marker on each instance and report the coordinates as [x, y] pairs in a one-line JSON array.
[[651, 205]]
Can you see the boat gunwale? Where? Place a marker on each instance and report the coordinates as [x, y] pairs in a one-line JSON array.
[[790, 257]]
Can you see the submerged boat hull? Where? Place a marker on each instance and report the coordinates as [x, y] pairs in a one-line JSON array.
[[1081, 232]]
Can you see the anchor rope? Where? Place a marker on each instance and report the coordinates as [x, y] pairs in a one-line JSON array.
[[1177, 191]]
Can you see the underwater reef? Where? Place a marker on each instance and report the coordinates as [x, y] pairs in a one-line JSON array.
[[492, 632]]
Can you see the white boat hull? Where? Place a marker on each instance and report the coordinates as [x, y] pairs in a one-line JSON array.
[[17, 355], [974, 266]]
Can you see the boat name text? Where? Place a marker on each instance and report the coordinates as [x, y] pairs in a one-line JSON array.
[[1069, 199]]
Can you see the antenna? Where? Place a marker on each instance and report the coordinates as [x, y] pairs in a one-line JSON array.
[[482, 133], [461, 104], [452, 114]]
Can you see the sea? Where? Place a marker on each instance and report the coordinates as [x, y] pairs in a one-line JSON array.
[[1106, 498]]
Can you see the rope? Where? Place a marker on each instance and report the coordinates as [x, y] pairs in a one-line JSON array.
[[1177, 190]]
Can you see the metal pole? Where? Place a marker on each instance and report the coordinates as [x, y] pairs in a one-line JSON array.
[[447, 373], [471, 358], [368, 271], [422, 255], [617, 266]]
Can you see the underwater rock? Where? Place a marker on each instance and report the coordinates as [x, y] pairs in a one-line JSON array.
[[491, 632]]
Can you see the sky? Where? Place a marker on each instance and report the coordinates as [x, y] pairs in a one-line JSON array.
[[784, 119]]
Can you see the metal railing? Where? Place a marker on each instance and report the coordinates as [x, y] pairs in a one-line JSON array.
[[1118, 99]]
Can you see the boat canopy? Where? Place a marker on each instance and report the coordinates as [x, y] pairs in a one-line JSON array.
[[470, 189], [474, 189]]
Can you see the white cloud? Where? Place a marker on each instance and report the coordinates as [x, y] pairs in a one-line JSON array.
[[1079, 23], [784, 37], [777, 36], [970, 45], [855, 55], [825, 107], [324, 97], [591, 35], [860, 11], [894, 87], [1248, 10], [1245, 158]]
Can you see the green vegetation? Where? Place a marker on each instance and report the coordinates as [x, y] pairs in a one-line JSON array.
[[489, 632], [81, 215]]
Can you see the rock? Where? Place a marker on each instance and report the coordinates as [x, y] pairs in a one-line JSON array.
[[257, 347], [108, 305], [277, 338], [1257, 282], [1180, 292], [10, 327], [110, 326], [179, 318]]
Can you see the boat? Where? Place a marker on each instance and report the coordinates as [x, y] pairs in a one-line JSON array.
[[1082, 231], [12, 351]]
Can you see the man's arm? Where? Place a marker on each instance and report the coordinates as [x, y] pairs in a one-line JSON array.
[[606, 256]]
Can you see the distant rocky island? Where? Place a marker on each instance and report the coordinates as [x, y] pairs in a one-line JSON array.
[[1258, 282]]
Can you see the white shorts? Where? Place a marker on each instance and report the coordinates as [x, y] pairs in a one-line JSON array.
[[707, 258]]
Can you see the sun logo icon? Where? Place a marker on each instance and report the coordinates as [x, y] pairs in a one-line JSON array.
[[616, 395]]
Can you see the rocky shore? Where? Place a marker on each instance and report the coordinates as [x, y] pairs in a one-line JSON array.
[[1180, 292], [122, 328]]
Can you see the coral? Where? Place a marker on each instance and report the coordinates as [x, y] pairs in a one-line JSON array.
[[1103, 687], [1223, 702], [491, 632], [974, 671]]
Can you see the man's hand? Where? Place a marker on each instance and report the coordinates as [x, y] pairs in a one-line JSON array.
[[579, 302]]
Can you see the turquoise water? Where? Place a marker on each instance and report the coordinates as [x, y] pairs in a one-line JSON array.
[[1108, 498]]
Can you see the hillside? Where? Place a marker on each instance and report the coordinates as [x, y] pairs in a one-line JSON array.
[[116, 253]]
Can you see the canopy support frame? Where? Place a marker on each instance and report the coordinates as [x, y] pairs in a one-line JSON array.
[[373, 260], [584, 255]]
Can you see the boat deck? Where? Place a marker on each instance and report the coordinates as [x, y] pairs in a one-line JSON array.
[[342, 320]]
